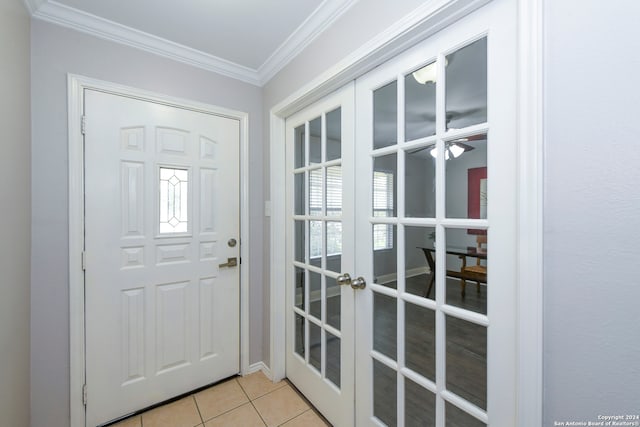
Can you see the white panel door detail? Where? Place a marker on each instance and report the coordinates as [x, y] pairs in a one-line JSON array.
[[161, 200]]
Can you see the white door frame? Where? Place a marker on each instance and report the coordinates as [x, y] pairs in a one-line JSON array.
[[417, 26], [76, 86]]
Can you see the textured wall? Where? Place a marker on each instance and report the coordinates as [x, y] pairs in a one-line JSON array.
[[15, 200], [592, 210]]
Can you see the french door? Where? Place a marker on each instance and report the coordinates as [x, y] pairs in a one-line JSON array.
[[427, 237], [320, 322]]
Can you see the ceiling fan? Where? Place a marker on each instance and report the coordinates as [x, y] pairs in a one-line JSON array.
[[453, 149]]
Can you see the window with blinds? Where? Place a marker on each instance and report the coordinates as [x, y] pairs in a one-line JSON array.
[[382, 207], [333, 208]]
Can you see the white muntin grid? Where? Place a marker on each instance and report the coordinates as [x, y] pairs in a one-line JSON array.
[[441, 223], [309, 319]]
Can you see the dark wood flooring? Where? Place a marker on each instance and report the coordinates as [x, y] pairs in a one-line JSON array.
[[466, 355]]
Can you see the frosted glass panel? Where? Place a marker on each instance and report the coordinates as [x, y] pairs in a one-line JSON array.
[[174, 199]]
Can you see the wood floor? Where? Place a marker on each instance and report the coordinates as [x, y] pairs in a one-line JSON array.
[[466, 355]]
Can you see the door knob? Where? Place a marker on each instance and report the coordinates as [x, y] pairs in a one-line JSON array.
[[344, 279], [358, 283], [231, 262]]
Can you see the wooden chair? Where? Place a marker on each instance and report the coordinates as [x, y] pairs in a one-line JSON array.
[[429, 255], [477, 272]]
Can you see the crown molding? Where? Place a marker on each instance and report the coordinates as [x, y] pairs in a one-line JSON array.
[[33, 5], [75, 19], [322, 18], [324, 15]]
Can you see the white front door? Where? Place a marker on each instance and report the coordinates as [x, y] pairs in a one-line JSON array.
[[161, 210], [429, 221]]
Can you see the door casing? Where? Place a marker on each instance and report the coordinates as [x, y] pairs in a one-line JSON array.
[[419, 25], [76, 85]]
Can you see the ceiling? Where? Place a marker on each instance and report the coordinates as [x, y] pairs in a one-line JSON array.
[[250, 40]]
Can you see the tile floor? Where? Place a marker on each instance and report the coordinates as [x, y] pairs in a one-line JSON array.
[[251, 401]]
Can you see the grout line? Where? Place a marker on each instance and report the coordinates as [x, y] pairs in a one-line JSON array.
[[193, 396], [258, 412]]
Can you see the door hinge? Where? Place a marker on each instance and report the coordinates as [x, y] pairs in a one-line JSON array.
[[84, 394], [83, 125], [84, 261]]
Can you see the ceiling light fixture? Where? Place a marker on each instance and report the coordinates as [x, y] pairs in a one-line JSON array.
[[426, 74], [451, 150]]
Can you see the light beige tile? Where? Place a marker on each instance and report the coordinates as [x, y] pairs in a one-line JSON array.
[[244, 416], [130, 422], [220, 399], [182, 413], [257, 384], [307, 419], [280, 406]]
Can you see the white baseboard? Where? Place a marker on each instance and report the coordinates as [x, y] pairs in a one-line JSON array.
[[259, 366], [387, 278]]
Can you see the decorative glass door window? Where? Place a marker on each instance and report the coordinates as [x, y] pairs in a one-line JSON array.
[[174, 200]]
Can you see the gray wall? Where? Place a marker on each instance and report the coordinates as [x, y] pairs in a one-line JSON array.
[[55, 52], [16, 213], [592, 210]]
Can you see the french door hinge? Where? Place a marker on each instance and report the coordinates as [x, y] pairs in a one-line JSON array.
[[83, 125], [84, 261], [84, 394]]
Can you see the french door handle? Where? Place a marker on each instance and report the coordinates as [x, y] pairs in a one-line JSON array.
[[344, 279], [358, 283]]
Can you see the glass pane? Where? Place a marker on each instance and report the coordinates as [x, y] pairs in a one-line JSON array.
[[419, 405], [299, 338], [334, 190], [466, 177], [420, 183], [315, 243], [315, 141], [333, 302], [420, 102], [174, 198], [456, 417], [299, 147], [334, 245], [385, 394], [384, 325], [420, 346], [333, 358], [315, 192], [299, 287], [299, 194], [299, 240], [315, 296], [385, 267], [419, 255], [384, 186], [467, 266], [315, 346], [334, 134], [466, 85], [467, 360], [385, 115]]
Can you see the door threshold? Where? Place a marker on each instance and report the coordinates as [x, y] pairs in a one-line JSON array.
[[165, 402]]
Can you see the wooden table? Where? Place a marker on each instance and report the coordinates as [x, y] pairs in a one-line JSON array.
[[462, 253]]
